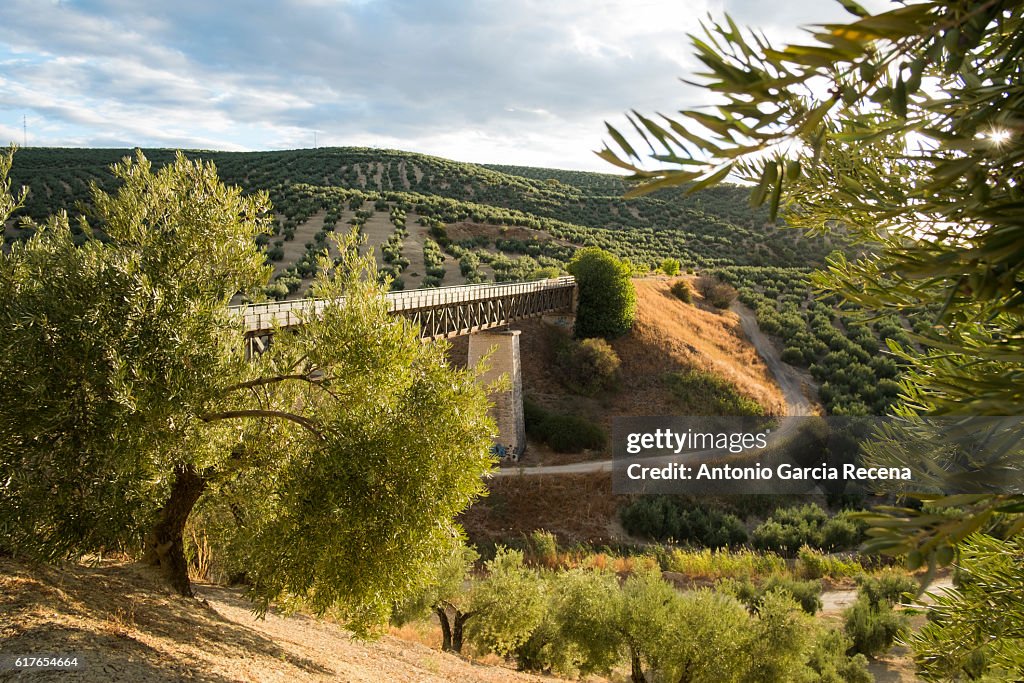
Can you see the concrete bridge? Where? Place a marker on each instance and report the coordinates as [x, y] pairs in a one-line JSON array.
[[444, 312]]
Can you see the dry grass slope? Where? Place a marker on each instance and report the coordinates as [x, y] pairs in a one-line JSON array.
[[126, 627]]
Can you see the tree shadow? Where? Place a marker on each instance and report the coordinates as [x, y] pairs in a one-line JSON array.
[[122, 600]]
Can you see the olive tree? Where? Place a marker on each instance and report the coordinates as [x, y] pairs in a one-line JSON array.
[[902, 130], [509, 604], [126, 399], [447, 595], [977, 628]]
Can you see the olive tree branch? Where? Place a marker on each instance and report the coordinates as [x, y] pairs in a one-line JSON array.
[[297, 419]]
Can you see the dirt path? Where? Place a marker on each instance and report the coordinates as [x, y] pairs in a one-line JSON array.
[[786, 376]]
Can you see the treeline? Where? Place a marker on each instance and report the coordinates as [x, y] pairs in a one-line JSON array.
[[574, 616]]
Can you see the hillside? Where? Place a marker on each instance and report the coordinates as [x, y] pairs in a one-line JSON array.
[[715, 228], [670, 340], [436, 222], [126, 627]]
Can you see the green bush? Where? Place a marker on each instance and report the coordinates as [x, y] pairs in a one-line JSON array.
[[887, 587], [607, 300], [832, 664], [534, 415], [814, 564], [872, 627], [805, 593], [276, 290], [663, 518], [682, 291], [541, 549], [710, 564], [572, 433], [563, 433], [790, 528], [670, 266], [589, 366]]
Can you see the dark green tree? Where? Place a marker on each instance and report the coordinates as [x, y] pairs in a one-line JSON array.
[[607, 299]]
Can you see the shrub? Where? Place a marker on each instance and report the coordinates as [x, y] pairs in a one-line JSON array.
[[681, 289], [534, 416], [814, 564], [563, 433], [873, 628], [589, 366], [719, 294], [720, 564], [887, 587], [793, 356], [663, 518], [276, 290], [542, 549], [790, 528], [572, 433], [806, 593], [670, 266], [832, 664], [607, 300]]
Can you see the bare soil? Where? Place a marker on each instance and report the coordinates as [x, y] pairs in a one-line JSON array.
[[668, 336], [469, 229], [125, 627], [377, 229]]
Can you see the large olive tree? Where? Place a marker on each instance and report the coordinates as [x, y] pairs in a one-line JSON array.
[[904, 130], [126, 398]]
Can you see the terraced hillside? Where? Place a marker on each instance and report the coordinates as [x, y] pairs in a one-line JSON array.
[[431, 222], [715, 227]]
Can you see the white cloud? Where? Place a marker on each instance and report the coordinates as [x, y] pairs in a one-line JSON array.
[[505, 81]]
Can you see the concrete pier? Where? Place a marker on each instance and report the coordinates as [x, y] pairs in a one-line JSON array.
[[508, 404]]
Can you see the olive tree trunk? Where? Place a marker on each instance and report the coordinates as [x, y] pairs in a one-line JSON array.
[[164, 547]]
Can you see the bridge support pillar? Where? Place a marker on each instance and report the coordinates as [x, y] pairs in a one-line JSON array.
[[508, 404]]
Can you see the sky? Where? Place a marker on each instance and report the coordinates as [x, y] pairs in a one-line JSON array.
[[523, 82]]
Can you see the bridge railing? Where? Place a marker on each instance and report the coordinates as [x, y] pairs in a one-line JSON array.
[[260, 317]]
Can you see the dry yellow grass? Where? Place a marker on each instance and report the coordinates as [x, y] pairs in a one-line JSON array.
[[126, 627], [670, 335]]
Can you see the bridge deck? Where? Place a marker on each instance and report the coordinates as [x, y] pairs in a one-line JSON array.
[[440, 311]]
